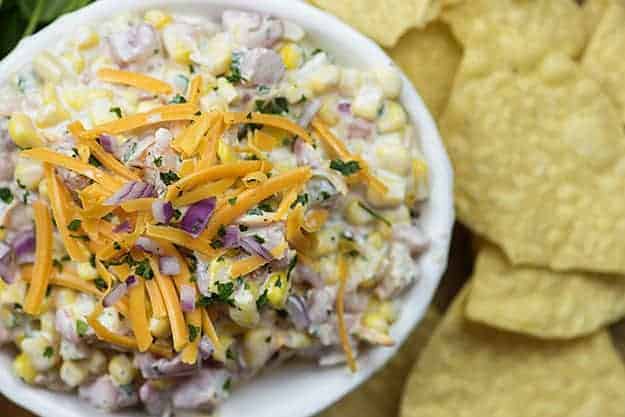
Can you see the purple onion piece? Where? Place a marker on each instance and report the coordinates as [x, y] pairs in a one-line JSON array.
[[7, 264], [116, 293], [206, 348], [231, 239], [131, 191], [296, 307], [169, 265], [148, 245], [124, 227], [108, 142], [197, 216], [187, 297], [308, 114], [24, 247], [345, 107], [253, 247], [131, 281], [162, 211]]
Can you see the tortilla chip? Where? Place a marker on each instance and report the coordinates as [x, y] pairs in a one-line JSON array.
[[540, 302], [517, 34], [471, 370], [383, 21], [603, 59], [430, 58], [593, 12], [539, 164], [380, 395]]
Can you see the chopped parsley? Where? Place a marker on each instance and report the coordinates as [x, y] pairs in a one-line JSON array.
[[278, 283], [80, 237], [262, 300], [346, 168], [216, 244], [48, 352], [277, 105], [117, 246], [94, 161], [158, 162], [223, 295], [317, 51], [243, 228], [302, 100], [232, 201], [143, 268], [177, 214], [231, 354], [234, 75], [169, 177], [263, 89], [74, 225], [6, 195], [57, 264], [193, 332], [227, 385], [222, 231], [81, 328], [117, 111], [259, 239], [292, 265], [178, 99], [100, 283], [301, 199], [374, 213]]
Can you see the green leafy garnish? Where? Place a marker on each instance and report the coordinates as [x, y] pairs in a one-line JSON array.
[[194, 331], [232, 201], [158, 161], [6, 195], [74, 225], [374, 213], [346, 168], [81, 328], [169, 177], [277, 105], [100, 283], [178, 99], [48, 352], [117, 111], [234, 75], [144, 269]]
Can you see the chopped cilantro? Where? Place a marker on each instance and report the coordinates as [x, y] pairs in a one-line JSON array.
[[177, 214], [80, 237], [81, 328], [301, 199], [100, 283], [57, 264], [278, 283], [232, 201], [277, 105], [302, 100], [74, 225], [234, 75], [216, 244], [262, 300], [193, 332], [117, 246], [117, 111], [374, 213], [231, 354], [6, 195], [48, 352], [243, 228], [93, 161], [222, 231], [158, 162], [259, 239], [178, 99], [227, 385], [346, 168], [317, 51], [169, 177], [223, 295], [144, 269], [263, 89], [292, 265]]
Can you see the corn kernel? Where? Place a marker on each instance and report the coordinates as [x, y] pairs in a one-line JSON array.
[[291, 55], [76, 60], [28, 172], [329, 111], [48, 67], [376, 321], [47, 322], [357, 215], [389, 80], [73, 373], [96, 364], [388, 310], [159, 327], [226, 90], [367, 102], [23, 368], [86, 37], [213, 102], [100, 112], [391, 154], [157, 18], [244, 313], [121, 370], [351, 81], [257, 347], [327, 241], [295, 92], [277, 288], [100, 93], [42, 354], [226, 341], [396, 190], [23, 132], [64, 297], [14, 293], [3, 235], [324, 78], [393, 117], [53, 112], [86, 271]]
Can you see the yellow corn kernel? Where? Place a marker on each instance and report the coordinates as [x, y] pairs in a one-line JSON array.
[[76, 60], [48, 67], [47, 321], [86, 37], [53, 112], [3, 284], [121, 370], [86, 271], [157, 18], [96, 364], [100, 112], [277, 288], [393, 117], [14, 293], [226, 341], [328, 111], [244, 311], [327, 241], [257, 347], [159, 327], [419, 169], [376, 240], [356, 215], [23, 368], [291, 55], [181, 53], [73, 373], [76, 98], [376, 321], [28, 172], [388, 310], [23, 132], [64, 297], [225, 152]]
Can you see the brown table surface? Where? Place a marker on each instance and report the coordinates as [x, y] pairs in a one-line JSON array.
[[459, 269]]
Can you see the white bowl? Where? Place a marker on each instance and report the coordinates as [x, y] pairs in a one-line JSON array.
[[294, 390]]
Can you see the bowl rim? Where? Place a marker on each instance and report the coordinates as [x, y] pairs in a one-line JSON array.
[[438, 217]]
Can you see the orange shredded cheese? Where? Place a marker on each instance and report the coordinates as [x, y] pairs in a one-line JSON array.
[[195, 90], [217, 172], [138, 317], [210, 143], [105, 275], [252, 263], [139, 204], [285, 204], [124, 341], [179, 330], [134, 79], [43, 258], [59, 200], [65, 279], [295, 234], [190, 352], [267, 119], [202, 192], [249, 198], [314, 220], [51, 157], [209, 330], [179, 237], [263, 141], [168, 113], [187, 167], [189, 140], [340, 313], [156, 299]]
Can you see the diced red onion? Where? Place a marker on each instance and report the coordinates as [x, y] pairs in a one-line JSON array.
[[296, 307], [187, 297], [131, 281], [163, 211], [24, 247], [131, 191], [306, 155], [206, 348], [169, 265], [231, 239], [251, 246], [124, 227], [116, 293], [197, 216], [150, 246], [345, 107], [310, 110], [359, 128], [7, 264], [108, 142]]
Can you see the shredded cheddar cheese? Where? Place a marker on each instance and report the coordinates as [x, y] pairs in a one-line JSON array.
[[134, 79], [340, 313], [138, 317], [267, 119], [43, 258]]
